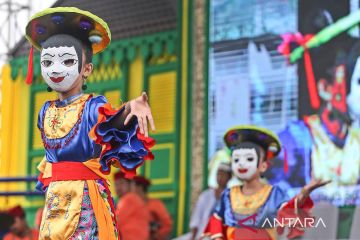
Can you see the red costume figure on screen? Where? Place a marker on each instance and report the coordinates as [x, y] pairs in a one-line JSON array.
[[324, 144], [82, 134], [251, 211]]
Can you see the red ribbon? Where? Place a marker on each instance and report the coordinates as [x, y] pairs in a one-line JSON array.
[[286, 165], [284, 49], [29, 76]]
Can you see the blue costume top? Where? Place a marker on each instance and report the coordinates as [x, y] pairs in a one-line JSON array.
[[233, 207], [77, 145], [66, 141]]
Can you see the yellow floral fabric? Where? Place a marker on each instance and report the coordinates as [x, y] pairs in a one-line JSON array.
[[62, 210], [45, 168], [59, 121], [63, 206], [248, 204]]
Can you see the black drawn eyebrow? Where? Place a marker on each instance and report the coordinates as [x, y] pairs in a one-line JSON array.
[[48, 54], [67, 54]]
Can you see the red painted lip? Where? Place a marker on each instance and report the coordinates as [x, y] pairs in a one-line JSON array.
[[57, 80], [242, 170]]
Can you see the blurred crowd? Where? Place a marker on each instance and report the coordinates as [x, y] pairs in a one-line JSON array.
[[13, 225], [138, 216], [207, 201]]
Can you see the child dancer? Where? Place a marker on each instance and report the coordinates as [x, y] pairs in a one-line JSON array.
[[249, 211], [82, 135]]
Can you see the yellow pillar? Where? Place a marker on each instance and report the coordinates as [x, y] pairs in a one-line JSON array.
[[136, 74], [14, 133]]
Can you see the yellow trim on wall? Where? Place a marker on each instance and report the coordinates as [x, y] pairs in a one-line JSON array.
[[34, 203], [161, 195], [148, 164], [136, 77], [114, 97], [183, 127], [106, 73]]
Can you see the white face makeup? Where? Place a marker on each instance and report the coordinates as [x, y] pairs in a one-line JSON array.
[[244, 163], [353, 99], [60, 67]]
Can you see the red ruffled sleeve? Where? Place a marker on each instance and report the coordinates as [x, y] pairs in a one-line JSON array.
[[300, 214]]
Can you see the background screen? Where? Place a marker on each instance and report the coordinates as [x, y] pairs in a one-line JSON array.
[[312, 104]]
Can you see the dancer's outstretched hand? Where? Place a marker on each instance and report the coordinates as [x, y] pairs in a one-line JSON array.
[[140, 108], [314, 184], [308, 188]]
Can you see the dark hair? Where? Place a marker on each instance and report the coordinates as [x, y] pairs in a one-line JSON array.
[[260, 151], [144, 188], [6, 220], [65, 40]]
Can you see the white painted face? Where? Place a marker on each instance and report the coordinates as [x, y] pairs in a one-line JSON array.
[[244, 163], [353, 99], [60, 67]]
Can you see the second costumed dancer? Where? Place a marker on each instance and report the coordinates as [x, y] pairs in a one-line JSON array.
[[248, 211]]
